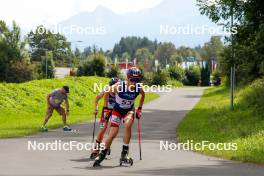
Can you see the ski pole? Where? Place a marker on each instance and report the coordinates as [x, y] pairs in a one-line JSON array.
[[139, 142], [94, 127]]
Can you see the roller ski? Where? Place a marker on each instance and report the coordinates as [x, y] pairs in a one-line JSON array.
[[125, 159], [100, 158], [96, 151]]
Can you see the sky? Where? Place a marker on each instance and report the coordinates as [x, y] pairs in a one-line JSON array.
[[30, 13]]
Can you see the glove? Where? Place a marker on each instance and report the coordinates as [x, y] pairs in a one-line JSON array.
[[138, 112], [106, 112]]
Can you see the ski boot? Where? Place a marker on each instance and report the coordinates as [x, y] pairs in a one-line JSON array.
[[125, 159], [100, 158], [109, 152], [96, 150], [66, 128], [94, 154], [44, 129]]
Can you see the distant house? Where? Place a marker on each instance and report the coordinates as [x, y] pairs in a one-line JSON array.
[[192, 61], [61, 72], [189, 61], [123, 66]]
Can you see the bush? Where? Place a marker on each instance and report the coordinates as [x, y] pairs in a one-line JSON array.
[[253, 95], [216, 78], [147, 78], [93, 65], [160, 78], [114, 71], [193, 76], [177, 73], [21, 71], [175, 83]]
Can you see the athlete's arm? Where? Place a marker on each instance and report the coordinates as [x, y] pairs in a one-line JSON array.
[[106, 98], [142, 98], [141, 102], [112, 90], [96, 100]]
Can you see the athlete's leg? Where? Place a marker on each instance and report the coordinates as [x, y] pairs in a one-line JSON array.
[[101, 133], [115, 122], [62, 112], [49, 112], [112, 134], [102, 128], [128, 122], [99, 140]]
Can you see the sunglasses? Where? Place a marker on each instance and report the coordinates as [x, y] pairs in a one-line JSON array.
[[135, 79]]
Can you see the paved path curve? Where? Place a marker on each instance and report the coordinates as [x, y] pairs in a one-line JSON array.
[[159, 123]]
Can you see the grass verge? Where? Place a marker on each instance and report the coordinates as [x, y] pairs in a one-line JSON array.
[[23, 106], [212, 120]]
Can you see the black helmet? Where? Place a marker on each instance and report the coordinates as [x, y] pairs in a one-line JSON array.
[[66, 88], [113, 81], [134, 74]]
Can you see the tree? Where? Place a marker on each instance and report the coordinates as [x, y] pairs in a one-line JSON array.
[[176, 59], [47, 65], [126, 56], [93, 65], [205, 75], [185, 52], [131, 44], [160, 78], [12, 54], [216, 78], [144, 58], [42, 40], [176, 73], [164, 53], [193, 76], [76, 57], [212, 50], [247, 45], [86, 52], [21, 71], [114, 71]]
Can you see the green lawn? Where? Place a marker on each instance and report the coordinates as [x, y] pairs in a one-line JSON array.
[[22, 106], [175, 83], [212, 120]]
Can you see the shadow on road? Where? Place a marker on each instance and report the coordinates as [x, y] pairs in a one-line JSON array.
[[155, 125], [223, 168]]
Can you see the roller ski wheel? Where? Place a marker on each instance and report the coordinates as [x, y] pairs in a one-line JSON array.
[[94, 154], [126, 161]]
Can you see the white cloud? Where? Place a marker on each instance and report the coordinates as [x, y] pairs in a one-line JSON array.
[[29, 13]]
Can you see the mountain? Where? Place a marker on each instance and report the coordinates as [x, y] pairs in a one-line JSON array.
[[171, 20]]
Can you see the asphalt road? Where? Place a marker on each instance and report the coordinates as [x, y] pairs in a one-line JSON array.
[[159, 122]]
